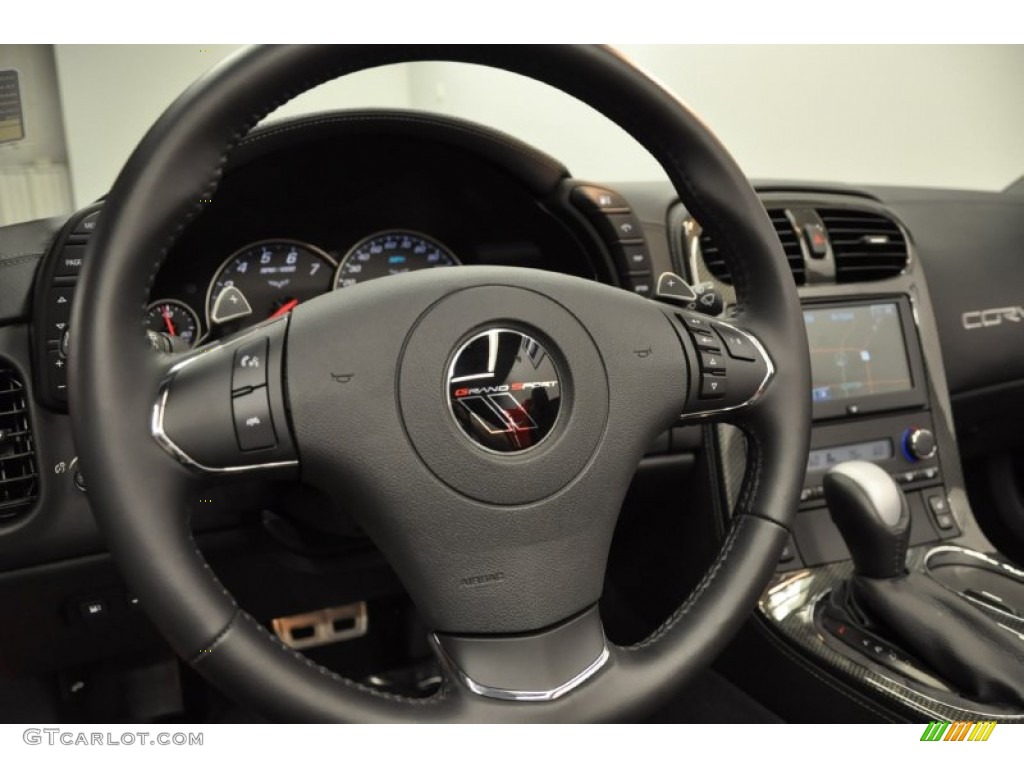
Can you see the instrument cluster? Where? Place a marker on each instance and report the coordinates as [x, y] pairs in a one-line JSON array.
[[269, 278]]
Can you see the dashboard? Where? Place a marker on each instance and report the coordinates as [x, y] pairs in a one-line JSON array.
[[315, 205]]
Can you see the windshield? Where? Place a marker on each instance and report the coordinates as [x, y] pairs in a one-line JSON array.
[[920, 115]]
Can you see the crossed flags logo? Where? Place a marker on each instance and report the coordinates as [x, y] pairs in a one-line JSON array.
[[958, 731]]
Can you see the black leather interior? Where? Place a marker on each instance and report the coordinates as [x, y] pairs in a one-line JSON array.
[[961, 643]]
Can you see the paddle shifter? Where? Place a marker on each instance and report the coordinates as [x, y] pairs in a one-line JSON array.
[[941, 632]]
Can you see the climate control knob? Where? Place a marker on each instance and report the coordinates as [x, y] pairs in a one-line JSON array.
[[919, 444]]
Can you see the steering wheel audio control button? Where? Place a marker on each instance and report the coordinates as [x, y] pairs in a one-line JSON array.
[[712, 362], [250, 366], [253, 425], [736, 344], [705, 342], [697, 324], [730, 370], [712, 386]]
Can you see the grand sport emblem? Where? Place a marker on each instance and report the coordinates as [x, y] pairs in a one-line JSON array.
[[504, 391]]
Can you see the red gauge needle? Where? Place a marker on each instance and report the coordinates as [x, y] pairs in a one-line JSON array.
[[284, 309], [167, 321]]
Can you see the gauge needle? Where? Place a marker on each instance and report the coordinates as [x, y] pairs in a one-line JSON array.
[[284, 309], [167, 321]]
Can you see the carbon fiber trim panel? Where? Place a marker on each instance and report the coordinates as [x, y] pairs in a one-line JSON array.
[[791, 605]]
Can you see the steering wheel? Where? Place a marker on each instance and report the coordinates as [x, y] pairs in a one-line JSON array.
[[482, 426]]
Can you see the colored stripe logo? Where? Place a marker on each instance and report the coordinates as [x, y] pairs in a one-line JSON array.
[[958, 731]]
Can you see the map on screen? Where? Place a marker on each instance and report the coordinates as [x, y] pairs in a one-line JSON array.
[[856, 351]]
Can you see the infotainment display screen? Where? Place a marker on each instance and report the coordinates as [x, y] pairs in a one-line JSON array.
[[856, 351]]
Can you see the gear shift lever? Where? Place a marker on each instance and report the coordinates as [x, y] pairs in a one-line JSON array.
[[955, 639], [871, 513]]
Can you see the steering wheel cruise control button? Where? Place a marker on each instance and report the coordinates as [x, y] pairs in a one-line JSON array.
[[253, 425], [250, 366]]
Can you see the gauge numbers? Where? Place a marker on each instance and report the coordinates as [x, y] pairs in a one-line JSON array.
[[266, 279], [391, 253]]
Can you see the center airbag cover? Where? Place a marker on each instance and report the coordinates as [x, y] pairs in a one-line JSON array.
[[502, 478]]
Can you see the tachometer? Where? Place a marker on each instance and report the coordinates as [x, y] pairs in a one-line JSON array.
[[391, 253], [265, 279], [175, 318]]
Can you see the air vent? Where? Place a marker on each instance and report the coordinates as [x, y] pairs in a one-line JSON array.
[[866, 245], [787, 236], [19, 478]]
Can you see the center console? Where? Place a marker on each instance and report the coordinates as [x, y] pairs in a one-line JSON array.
[[870, 401], [878, 395]]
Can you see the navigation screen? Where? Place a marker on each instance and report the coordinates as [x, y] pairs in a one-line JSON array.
[[856, 351]]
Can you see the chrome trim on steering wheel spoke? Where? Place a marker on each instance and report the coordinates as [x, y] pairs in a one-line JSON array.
[[768, 376], [160, 407], [525, 696]]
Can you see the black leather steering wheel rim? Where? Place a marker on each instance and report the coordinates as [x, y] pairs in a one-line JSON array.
[[139, 494]]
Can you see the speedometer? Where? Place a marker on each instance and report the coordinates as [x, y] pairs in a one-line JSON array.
[[391, 253], [266, 279]]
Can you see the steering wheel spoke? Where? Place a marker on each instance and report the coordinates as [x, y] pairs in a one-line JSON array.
[[535, 667], [730, 368], [221, 410]]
